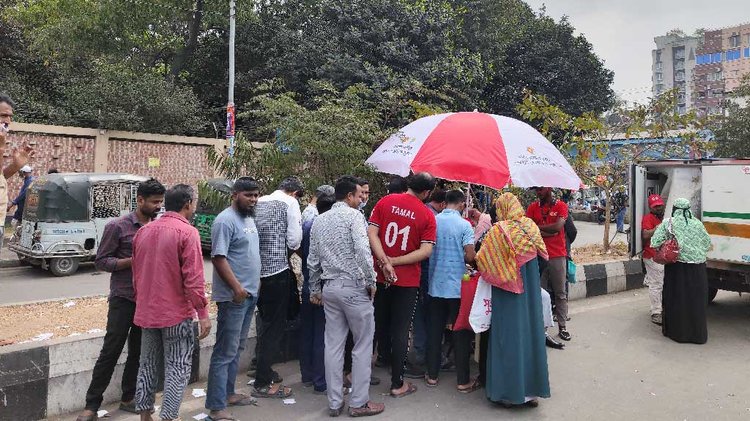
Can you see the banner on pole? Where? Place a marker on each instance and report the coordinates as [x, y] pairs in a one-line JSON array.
[[230, 128]]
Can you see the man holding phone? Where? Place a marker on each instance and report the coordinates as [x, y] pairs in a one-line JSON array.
[[235, 255]]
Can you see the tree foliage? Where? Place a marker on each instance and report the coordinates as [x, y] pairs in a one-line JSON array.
[[317, 143], [733, 130], [171, 56], [586, 140]]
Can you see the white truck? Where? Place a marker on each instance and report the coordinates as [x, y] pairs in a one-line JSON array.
[[716, 190]]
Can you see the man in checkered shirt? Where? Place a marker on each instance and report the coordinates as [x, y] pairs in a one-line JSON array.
[[279, 223]]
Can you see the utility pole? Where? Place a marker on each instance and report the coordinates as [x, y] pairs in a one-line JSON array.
[[230, 101]]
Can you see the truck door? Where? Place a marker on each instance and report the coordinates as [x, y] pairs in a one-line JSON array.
[[726, 211], [637, 207]]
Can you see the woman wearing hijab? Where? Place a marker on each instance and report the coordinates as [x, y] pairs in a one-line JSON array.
[[517, 360], [685, 293]]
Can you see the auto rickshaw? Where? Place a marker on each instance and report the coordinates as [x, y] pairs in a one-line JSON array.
[[213, 197], [65, 215]]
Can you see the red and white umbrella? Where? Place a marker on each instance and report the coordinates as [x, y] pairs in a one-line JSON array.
[[477, 148]]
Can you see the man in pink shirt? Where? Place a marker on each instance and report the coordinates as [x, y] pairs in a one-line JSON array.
[[169, 292]]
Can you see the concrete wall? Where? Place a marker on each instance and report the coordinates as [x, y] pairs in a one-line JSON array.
[[39, 380], [171, 159]]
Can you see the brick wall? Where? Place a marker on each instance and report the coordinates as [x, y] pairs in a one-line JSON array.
[[67, 154], [177, 163]]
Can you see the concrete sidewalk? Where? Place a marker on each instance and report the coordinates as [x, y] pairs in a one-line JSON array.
[[617, 367], [8, 259]]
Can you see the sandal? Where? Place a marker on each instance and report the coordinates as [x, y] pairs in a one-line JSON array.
[[430, 382], [411, 389], [369, 409], [128, 407], [473, 386], [265, 392], [244, 401]]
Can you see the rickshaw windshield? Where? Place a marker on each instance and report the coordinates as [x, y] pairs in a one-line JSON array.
[[55, 200]]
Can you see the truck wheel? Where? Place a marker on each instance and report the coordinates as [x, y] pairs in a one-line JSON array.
[[712, 294], [63, 266]]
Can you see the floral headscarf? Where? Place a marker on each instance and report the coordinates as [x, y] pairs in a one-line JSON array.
[[512, 242]]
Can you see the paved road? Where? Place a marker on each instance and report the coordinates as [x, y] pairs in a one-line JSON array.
[[24, 284], [593, 233], [19, 285], [618, 367]]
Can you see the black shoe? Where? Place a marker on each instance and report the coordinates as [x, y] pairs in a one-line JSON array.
[[374, 381], [564, 334], [276, 378], [553, 343], [335, 412], [382, 363], [448, 366], [414, 372]]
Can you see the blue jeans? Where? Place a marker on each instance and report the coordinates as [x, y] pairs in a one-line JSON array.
[[232, 325], [312, 343], [621, 219]]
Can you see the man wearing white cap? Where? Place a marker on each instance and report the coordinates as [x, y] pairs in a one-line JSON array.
[[20, 201]]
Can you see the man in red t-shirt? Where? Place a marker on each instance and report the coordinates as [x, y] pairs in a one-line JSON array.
[[402, 232], [550, 215], [654, 278]]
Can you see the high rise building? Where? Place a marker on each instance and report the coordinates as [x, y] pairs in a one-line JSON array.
[[673, 65], [722, 59]]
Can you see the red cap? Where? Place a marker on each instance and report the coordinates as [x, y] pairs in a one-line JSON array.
[[655, 200]]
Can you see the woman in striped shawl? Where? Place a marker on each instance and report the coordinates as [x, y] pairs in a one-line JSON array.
[[517, 359]]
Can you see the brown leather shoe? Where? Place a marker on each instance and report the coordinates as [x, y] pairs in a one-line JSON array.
[[370, 409]]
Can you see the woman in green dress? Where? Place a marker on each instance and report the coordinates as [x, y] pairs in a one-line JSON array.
[[517, 371], [685, 294]]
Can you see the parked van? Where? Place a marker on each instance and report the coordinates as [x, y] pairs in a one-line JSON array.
[[716, 190]]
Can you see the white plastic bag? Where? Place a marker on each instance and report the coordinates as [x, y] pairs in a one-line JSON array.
[[481, 309]]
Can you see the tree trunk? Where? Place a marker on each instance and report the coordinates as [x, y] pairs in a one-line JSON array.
[[191, 43], [607, 213]]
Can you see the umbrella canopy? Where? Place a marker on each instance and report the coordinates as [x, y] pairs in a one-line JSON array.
[[476, 148]]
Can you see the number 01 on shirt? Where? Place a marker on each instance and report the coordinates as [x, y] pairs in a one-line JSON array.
[[404, 223]]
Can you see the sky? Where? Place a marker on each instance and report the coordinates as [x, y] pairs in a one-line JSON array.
[[622, 31]]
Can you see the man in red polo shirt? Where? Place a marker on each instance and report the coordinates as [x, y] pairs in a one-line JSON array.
[[550, 215], [402, 232], [654, 278]]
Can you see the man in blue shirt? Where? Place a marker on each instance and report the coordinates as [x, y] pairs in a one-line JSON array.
[[235, 254], [312, 317], [453, 249]]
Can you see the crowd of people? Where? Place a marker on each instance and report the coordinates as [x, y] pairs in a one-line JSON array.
[[368, 282], [373, 286]]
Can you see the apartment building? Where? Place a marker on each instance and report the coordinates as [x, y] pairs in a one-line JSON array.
[[722, 59], [673, 66]]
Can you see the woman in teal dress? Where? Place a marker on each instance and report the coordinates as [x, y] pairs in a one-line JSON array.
[[517, 371]]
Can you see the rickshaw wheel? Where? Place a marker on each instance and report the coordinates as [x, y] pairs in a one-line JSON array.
[[63, 266]]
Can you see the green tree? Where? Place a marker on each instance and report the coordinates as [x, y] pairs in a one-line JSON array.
[[587, 140], [316, 143], [733, 129]]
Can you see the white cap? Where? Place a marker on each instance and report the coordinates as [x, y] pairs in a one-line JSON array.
[[26, 168]]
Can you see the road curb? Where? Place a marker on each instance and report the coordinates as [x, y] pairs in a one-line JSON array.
[[594, 279], [9, 264]]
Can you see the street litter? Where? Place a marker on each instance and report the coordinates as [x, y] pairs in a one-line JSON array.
[[94, 331], [102, 413], [251, 382], [42, 337], [199, 393], [200, 416], [289, 401], [69, 304]]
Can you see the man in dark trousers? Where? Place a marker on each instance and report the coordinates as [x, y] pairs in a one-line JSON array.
[[550, 215], [115, 255]]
